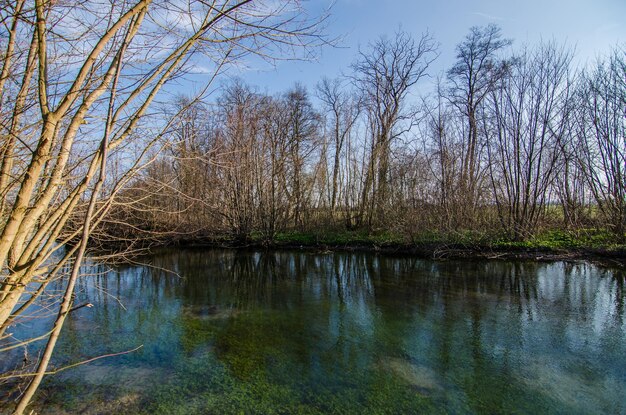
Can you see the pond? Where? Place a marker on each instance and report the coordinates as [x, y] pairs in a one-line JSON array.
[[290, 332]]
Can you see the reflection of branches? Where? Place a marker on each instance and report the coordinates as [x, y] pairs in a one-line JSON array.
[[108, 294], [61, 369]]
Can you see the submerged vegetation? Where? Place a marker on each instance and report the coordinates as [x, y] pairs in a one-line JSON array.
[[275, 332]]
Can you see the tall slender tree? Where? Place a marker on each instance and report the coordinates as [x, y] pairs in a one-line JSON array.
[[344, 109], [602, 137], [385, 74], [476, 72]]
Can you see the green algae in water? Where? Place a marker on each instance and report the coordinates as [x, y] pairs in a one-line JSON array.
[[301, 333]]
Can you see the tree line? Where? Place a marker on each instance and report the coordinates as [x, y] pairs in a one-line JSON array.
[[511, 142]]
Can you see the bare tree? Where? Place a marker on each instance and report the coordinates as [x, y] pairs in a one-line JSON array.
[[602, 137], [442, 141], [302, 131], [344, 110], [273, 212], [473, 76], [385, 75], [528, 121], [570, 184], [240, 108], [76, 85]]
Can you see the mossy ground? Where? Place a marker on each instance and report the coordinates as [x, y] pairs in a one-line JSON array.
[[589, 243]]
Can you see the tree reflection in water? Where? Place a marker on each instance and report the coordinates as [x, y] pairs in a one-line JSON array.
[[229, 331]]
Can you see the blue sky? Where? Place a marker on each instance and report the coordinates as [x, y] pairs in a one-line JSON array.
[[591, 26]]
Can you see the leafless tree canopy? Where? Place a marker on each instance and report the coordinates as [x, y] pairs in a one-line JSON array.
[[78, 85], [513, 142]]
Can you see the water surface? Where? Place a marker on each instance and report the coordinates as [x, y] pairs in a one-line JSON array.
[[347, 333]]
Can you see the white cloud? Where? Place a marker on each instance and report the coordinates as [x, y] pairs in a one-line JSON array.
[[488, 16]]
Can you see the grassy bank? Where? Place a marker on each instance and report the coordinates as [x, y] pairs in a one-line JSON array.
[[587, 244]]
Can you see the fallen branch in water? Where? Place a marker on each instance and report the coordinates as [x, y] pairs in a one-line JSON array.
[[54, 372], [88, 305]]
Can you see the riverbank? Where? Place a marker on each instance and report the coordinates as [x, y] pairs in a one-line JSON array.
[[595, 247]]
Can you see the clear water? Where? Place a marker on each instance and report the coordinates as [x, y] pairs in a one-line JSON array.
[[343, 333]]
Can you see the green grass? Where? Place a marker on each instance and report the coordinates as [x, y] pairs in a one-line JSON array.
[[335, 238], [559, 239], [592, 239], [550, 240]]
